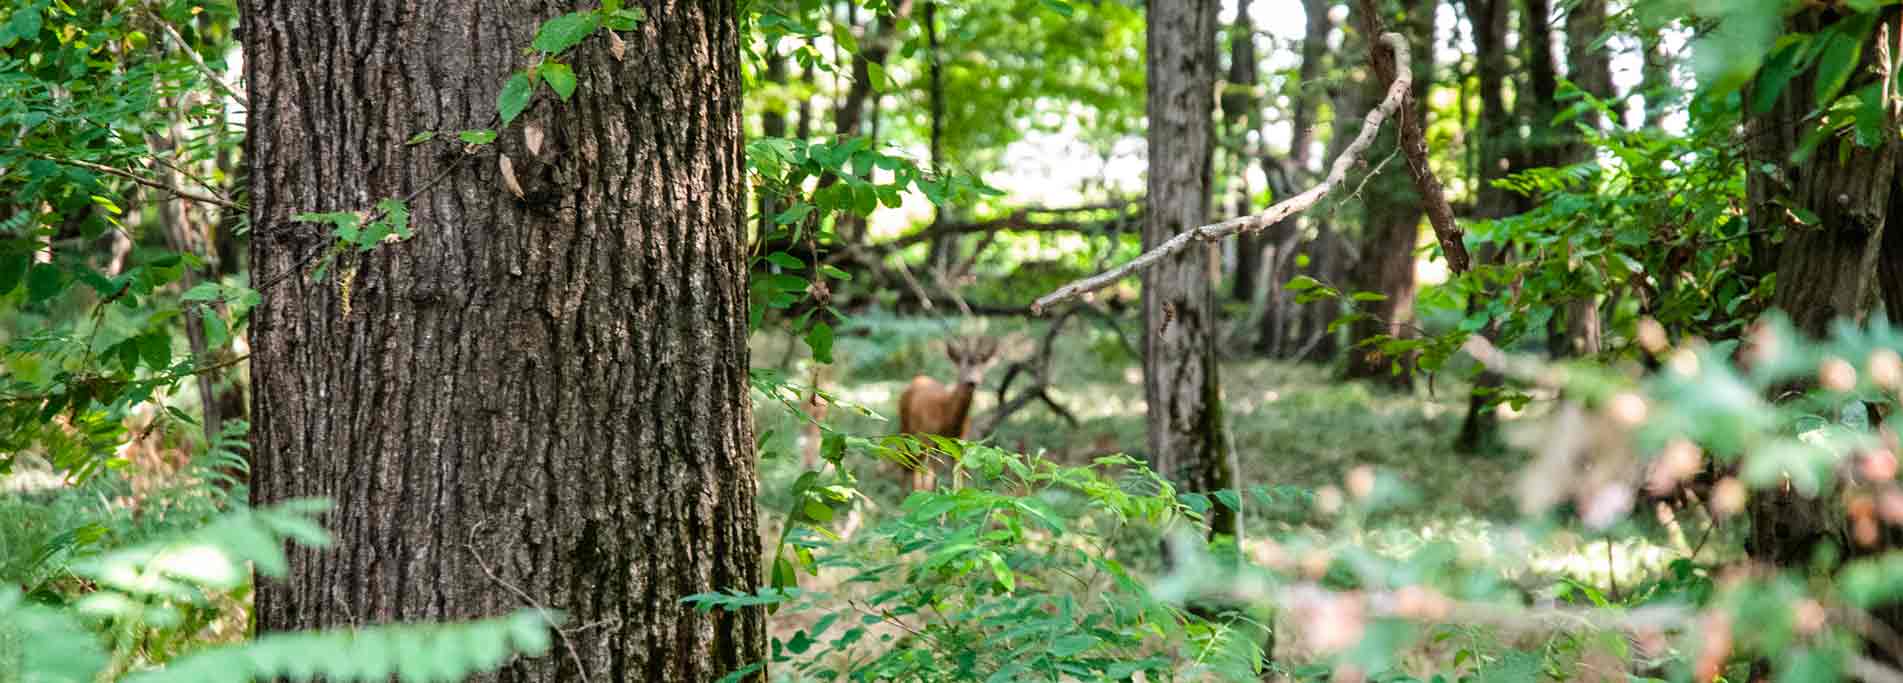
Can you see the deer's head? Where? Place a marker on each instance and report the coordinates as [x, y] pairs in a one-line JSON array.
[[971, 356]]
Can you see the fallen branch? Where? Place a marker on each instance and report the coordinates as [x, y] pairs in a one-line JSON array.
[[1397, 92]]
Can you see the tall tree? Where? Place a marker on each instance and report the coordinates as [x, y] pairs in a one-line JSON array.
[[1589, 67], [542, 397], [1242, 114], [1180, 327], [1826, 268], [1278, 322], [1499, 144], [1393, 209]]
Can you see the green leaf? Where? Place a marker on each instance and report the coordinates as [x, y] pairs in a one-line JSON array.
[[834, 273], [1302, 283], [204, 291], [421, 138], [793, 214], [44, 282], [560, 78], [1778, 70], [785, 260], [563, 32], [818, 511], [156, 349], [783, 574], [515, 97], [396, 215], [624, 19], [1835, 67], [1001, 571], [1070, 645], [1196, 502], [12, 270], [478, 137], [820, 340]]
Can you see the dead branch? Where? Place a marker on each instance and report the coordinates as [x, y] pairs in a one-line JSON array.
[[1414, 148], [1397, 92]]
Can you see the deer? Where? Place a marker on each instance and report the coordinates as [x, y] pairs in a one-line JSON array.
[[928, 406]]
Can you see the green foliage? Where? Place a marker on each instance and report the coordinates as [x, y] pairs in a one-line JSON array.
[[1011, 575], [153, 586]]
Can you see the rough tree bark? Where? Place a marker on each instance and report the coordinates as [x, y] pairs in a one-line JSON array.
[[1392, 216], [1179, 308], [1825, 271], [547, 394]]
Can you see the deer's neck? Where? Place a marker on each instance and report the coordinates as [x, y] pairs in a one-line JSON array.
[[962, 394]]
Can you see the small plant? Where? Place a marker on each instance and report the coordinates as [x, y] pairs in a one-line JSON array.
[[1013, 575]]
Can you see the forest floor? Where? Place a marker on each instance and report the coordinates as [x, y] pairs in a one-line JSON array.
[[1294, 425]]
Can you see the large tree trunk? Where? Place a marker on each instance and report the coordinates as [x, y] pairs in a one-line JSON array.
[[1179, 352], [547, 394], [1825, 271], [1392, 217]]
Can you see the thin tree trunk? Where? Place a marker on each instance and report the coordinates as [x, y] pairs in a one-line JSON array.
[[943, 250], [1277, 318], [544, 396], [1242, 114], [1591, 71], [1179, 360], [184, 236], [1499, 145]]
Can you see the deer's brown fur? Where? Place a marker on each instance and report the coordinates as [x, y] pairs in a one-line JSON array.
[[929, 406]]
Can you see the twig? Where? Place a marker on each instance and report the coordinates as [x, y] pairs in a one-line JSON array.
[[311, 255], [1397, 92], [102, 168], [179, 41], [539, 609]]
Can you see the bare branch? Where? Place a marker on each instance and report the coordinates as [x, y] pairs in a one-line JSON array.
[[1397, 92], [1414, 146], [142, 180]]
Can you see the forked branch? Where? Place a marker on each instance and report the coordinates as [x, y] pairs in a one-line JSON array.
[[1397, 92]]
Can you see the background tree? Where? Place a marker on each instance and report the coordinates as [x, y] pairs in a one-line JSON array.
[[1180, 375], [538, 397]]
